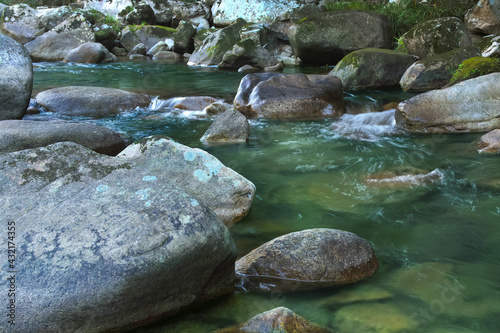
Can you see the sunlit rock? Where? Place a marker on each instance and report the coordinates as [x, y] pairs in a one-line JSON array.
[[90, 53], [489, 143], [231, 126], [485, 17], [307, 259]]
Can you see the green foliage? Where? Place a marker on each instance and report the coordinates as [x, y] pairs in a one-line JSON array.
[[475, 67], [400, 45], [407, 13]]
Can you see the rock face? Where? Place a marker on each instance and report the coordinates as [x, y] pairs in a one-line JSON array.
[[272, 95], [436, 36], [17, 135], [327, 37], [96, 102], [485, 17], [489, 143], [436, 71], [231, 126], [16, 79], [247, 52], [95, 246], [372, 69], [90, 53], [217, 44], [280, 319], [55, 44], [226, 11], [20, 23], [183, 40], [142, 13], [308, 259], [148, 35], [470, 106]]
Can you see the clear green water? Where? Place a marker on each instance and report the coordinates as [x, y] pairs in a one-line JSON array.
[[437, 244]]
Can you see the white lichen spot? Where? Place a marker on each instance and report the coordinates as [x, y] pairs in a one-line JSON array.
[[194, 202], [236, 183], [189, 155], [148, 204], [149, 178], [185, 219], [202, 175], [143, 194], [102, 188]]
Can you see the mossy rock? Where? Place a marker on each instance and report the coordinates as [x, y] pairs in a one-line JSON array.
[[475, 67]]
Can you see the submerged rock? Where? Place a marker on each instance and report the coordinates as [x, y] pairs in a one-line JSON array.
[[96, 102], [231, 126], [108, 233], [280, 319], [469, 106], [272, 95], [372, 69], [24, 134], [436, 36], [307, 259], [326, 38], [403, 178], [489, 143], [90, 53], [16, 79]]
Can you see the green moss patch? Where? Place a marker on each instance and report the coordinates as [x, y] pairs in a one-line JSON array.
[[475, 67]]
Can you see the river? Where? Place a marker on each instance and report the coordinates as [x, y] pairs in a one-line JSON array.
[[437, 243]]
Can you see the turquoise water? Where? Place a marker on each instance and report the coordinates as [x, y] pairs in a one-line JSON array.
[[437, 244]]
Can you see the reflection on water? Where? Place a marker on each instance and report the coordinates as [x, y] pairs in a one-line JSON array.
[[436, 242]]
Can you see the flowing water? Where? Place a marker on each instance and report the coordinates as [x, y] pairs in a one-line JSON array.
[[436, 243]]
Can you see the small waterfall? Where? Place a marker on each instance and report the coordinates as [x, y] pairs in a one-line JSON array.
[[367, 126], [158, 104], [170, 108]]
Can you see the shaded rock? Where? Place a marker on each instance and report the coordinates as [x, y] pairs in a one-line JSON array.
[[21, 23], [49, 18], [142, 13], [275, 68], [139, 57], [55, 44], [449, 110], [90, 53], [215, 45], [105, 35], [489, 143], [93, 239], [280, 319], [139, 49], [148, 35], [403, 178], [436, 71], [247, 52], [96, 102], [327, 37], [217, 108], [226, 11], [489, 46], [119, 52], [485, 17], [231, 126], [307, 259], [436, 36], [158, 47], [167, 55], [170, 13], [24, 134], [183, 40], [273, 95], [289, 61], [201, 35], [16, 79], [475, 67], [248, 69], [372, 69]]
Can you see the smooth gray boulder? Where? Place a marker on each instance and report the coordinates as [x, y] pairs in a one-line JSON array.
[[436, 71], [436, 36], [90, 53], [469, 106], [17, 135], [100, 235], [273, 95], [372, 69], [326, 38], [96, 102], [16, 79], [55, 44], [484, 17], [308, 259], [231, 126]]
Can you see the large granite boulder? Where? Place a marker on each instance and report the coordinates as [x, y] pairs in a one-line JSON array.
[[99, 235], [327, 37], [279, 319], [90, 53], [24, 134], [248, 52], [489, 143], [261, 11], [469, 106], [231, 126], [142, 13], [55, 44], [436, 36], [436, 71], [21, 23], [149, 35], [184, 38], [213, 47], [485, 17], [372, 69], [49, 18], [96, 102], [16, 79], [273, 95], [307, 259]]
